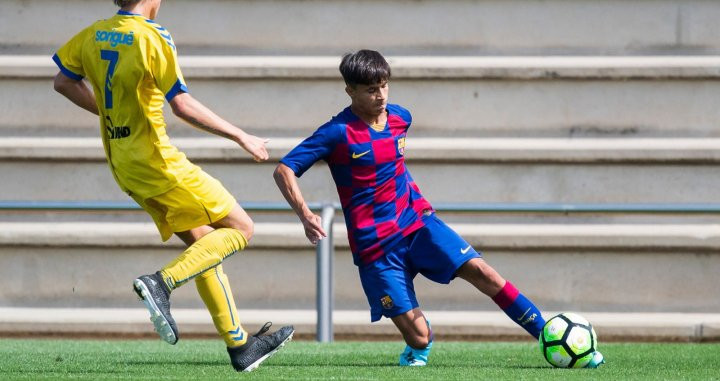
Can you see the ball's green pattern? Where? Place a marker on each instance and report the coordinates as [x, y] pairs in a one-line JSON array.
[[568, 341]]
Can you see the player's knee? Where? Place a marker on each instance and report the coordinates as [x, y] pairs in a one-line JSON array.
[[418, 342], [247, 228], [239, 220]]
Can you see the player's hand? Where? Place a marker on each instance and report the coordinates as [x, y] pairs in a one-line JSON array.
[[255, 146], [313, 228]]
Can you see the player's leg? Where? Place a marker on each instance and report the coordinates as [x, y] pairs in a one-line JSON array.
[[414, 328], [188, 210], [416, 331], [215, 292], [246, 352], [518, 307], [390, 292], [515, 305], [440, 254], [208, 247]]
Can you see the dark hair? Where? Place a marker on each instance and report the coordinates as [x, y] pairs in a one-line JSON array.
[[364, 67], [122, 3]]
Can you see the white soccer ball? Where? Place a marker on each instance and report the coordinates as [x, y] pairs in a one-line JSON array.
[[568, 341]]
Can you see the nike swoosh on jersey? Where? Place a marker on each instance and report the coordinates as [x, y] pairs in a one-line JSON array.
[[465, 250], [358, 155]]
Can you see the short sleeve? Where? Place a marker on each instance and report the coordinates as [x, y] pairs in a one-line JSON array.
[[164, 65], [316, 147], [69, 57], [401, 112], [406, 116]]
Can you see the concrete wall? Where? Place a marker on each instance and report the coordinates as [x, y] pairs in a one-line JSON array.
[[447, 170], [398, 27], [583, 99], [594, 262], [568, 267]]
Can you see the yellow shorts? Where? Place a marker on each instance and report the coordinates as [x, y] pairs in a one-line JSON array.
[[197, 200]]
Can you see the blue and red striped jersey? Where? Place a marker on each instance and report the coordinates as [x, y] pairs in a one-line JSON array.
[[380, 201]]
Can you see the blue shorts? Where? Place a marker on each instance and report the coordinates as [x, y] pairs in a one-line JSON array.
[[435, 251]]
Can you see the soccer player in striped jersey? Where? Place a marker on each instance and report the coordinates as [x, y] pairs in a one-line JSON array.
[[131, 63], [393, 231]]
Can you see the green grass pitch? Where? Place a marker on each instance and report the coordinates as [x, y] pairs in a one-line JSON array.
[[32, 359]]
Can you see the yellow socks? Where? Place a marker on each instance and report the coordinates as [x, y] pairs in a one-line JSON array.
[[202, 261], [206, 253], [213, 287]]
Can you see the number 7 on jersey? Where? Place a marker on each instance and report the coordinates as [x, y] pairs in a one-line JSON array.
[[112, 56]]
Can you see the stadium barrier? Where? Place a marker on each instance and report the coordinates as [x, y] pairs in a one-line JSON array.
[[325, 248]]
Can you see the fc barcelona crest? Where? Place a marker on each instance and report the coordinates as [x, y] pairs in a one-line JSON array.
[[401, 146], [387, 302]]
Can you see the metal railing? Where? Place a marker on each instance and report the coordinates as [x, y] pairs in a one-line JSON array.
[[324, 274], [324, 252], [511, 207], [325, 248]]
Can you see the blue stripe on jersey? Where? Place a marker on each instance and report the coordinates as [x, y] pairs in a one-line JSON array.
[[169, 40], [166, 36], [65, 70], [176, 89], [126, 13]]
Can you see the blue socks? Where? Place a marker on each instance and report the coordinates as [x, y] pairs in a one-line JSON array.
[[520, 309]]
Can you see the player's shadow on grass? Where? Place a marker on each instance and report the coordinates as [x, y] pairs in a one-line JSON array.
[[353, 365], [175, 362]]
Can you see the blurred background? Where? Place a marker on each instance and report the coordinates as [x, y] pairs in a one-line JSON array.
[[521, 108]]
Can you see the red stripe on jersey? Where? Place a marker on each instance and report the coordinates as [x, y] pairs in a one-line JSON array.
[[401, 203], [385, 229], [399, 167], [357, 132], [341, 154], [397, 125], [363, 176], [363, 216], [353, 243], [414, 186], [385, 192], [413, 227], [384, 150], [345, 194], [374, 252]]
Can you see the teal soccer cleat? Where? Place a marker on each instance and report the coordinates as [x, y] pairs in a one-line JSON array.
[[596, 360], [415, 357]]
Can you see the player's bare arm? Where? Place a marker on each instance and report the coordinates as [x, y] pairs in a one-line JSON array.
[[289, 187], [76, 91], [189, 109]]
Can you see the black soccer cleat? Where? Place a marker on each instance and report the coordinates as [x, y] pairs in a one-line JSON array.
[[259, 348], [155, 294]]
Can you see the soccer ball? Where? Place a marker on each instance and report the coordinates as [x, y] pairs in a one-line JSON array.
[[568, 341]]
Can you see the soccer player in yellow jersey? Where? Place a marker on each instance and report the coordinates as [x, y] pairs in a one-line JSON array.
[[131, 63]]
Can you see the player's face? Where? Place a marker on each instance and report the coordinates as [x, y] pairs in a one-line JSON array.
[[369, 99]]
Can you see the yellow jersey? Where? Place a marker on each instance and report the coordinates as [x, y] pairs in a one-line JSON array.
[[131, 62]]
